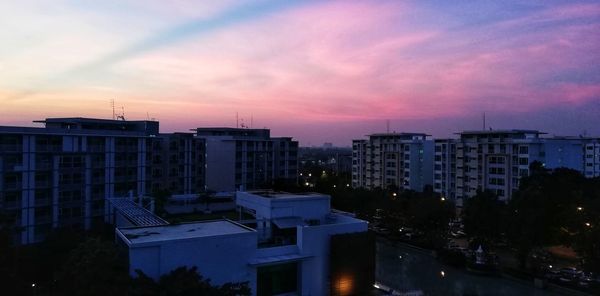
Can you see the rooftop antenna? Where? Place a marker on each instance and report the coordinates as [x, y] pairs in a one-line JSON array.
[[112, 104], [122, 115], [251, 120], [484, 120], [387, 123], [237, 120]]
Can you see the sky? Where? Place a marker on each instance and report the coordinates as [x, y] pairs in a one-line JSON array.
[[319, 71]]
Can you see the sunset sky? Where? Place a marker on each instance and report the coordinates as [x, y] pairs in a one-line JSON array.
[[319, 71]]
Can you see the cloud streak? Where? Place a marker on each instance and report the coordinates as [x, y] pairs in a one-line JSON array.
[[179, 33]]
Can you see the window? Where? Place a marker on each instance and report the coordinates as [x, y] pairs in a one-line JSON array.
[[523, 149]]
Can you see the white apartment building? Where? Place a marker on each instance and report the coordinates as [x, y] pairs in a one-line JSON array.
[[496, 160], [359, 162], [444, 167], [393, 159], [292, 247], [242, 158], [62, 174], [592, 158]]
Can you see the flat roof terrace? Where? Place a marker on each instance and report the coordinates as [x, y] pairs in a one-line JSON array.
[[287, 195], [154, 234]]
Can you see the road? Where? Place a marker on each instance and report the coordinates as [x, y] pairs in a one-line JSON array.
[[407, 269]]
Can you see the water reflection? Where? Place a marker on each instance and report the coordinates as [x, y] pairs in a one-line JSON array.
[[405, 269]]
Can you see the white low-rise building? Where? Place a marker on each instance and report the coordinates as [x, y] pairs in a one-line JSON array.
[[290, 248]]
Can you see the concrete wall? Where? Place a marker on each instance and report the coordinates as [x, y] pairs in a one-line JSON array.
[[314, 241], [564, 153], [269, 208], [220, 164], [222, 258]]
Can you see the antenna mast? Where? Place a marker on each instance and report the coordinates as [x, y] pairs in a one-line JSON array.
[[237, 120], [387, 124], [483, 120], [112, 104]]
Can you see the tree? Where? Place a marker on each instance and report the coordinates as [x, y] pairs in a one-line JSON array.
[[94, 267], [553, 208], [11, 277], [483, 217], [430, 215], [184, 281]]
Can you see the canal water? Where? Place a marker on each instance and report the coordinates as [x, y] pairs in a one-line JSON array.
[[406, 269]]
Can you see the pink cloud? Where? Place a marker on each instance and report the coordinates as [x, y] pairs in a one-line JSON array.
[[357, 62]]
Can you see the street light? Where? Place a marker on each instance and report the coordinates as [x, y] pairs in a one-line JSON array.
[[443, 198], [347, 185], [394, 194], [588, 224], [580, 209]]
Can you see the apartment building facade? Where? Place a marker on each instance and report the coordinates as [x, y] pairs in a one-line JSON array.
[[177, 164], [496, 160], [591, 167], [402, 160], [444, 167], [62, 175], [242, 158]]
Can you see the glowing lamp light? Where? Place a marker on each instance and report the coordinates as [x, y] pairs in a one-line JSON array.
[[442, 273], [580, 208], [345, 285], [443, 198], [306, 184], [347, 185], [394, 194]]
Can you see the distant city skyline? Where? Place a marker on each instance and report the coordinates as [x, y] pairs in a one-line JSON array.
[[318, 71]]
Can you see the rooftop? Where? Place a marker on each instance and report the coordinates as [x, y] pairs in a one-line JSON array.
[[135, 213], [398, 134], [88, 119], [138, 235], [236, 133], [287, 195], [511, 131]]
